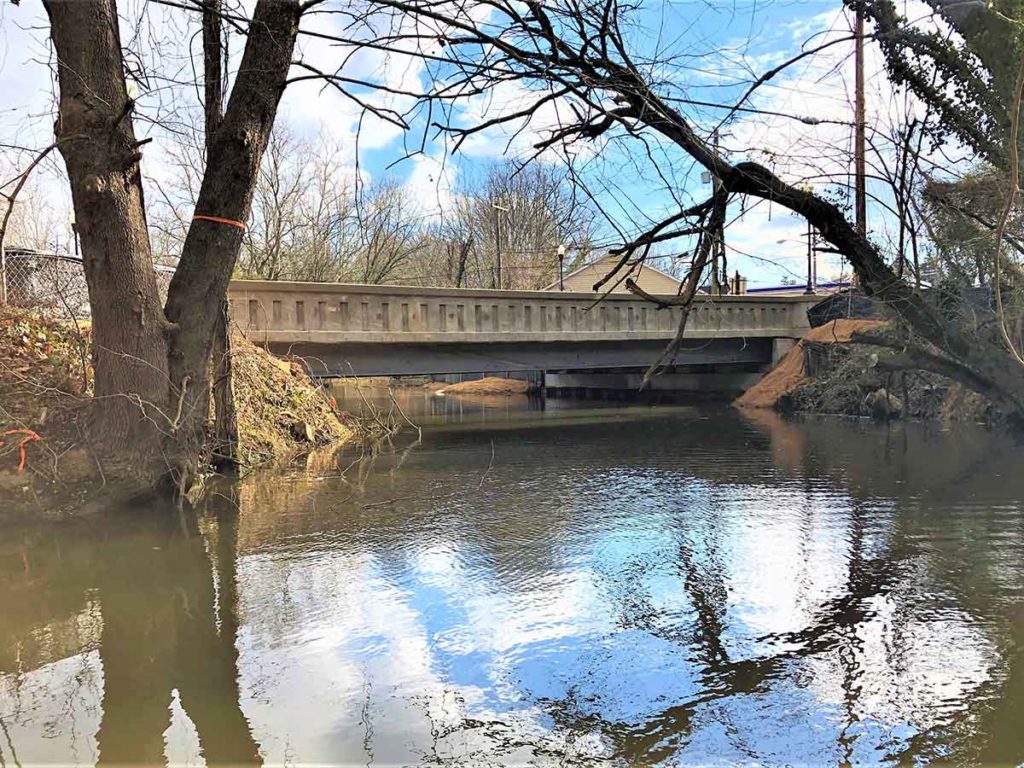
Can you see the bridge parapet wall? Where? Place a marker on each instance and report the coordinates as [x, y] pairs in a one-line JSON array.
[[326, 313]]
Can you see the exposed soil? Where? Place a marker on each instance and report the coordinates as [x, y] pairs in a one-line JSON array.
[[46, 464], [281, 411], [791, 372], [828, 373]]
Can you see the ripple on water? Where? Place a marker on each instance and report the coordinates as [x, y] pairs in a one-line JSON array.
[[675, 588]]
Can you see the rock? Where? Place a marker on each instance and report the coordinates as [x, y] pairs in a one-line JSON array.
[[882, 405], [303, 431]]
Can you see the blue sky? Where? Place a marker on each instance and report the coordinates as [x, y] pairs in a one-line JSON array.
[[722, 47]]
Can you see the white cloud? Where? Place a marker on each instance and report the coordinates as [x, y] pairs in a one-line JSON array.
[[819, 87], [431, 185], [168, 107]]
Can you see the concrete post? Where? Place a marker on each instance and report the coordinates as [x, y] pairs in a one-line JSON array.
[[780, 348]]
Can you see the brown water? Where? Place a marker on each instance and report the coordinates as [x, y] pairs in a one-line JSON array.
[[588, 586]]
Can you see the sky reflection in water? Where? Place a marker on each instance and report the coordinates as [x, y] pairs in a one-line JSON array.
[[625, 586]]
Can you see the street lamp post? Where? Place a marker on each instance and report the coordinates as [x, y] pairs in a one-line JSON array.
[[812, 266], [561, 267]]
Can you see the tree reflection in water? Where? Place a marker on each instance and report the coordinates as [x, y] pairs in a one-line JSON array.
[[758, 591], [167, 626], [167, 595]]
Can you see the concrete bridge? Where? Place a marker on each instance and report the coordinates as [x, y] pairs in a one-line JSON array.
[[373, 330]]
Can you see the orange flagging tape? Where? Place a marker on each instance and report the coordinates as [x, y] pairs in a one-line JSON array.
[[29, 437], [219, 220]]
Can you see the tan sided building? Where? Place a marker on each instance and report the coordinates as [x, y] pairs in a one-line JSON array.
[[648, 278]]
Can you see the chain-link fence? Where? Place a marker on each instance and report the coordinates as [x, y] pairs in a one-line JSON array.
[[53, 283]]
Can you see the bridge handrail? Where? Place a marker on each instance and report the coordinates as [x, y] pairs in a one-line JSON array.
[[414, 290]]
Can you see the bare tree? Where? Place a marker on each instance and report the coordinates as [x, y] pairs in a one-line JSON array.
[[329, 220], [309, 224], [275, 227], [388, 236], [515, 219], [145, 356], [444, 259], [578, 56], [33, 222]]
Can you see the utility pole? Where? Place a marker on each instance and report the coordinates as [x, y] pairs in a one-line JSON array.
[[858, 144], [718, 246]]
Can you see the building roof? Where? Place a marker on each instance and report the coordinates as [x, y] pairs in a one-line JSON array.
[[643, 266]]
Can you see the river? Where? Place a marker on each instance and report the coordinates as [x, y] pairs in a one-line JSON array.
[[576, 583]]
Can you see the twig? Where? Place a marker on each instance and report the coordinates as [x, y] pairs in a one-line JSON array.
[[488, 470], [436, 496], [1011, 200], [181, 402], [419, 430]]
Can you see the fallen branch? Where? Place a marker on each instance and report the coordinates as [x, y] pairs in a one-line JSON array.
[[913, 357]]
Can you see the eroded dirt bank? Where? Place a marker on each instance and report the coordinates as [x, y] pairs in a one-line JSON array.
[[828, 372], [46, 464]]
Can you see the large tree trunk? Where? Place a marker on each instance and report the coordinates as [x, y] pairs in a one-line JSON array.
[[98, 143], [957, 352], [225, 426], [152, 363], [211, 247]]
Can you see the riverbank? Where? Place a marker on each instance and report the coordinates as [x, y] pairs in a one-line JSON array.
[[46, 464], [827, 372]]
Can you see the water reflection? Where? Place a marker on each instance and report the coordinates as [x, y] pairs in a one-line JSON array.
[[429, 408], [473, 410], [636, 587], [154, 601]]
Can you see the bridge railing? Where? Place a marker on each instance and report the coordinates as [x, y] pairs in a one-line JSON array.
[[281, 312]]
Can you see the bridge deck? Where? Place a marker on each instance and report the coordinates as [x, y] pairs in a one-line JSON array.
[[371, 330], [327, 313]]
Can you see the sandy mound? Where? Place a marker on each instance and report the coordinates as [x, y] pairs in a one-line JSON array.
[[790, 373], [490, 385]]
